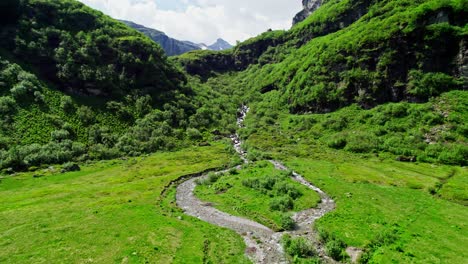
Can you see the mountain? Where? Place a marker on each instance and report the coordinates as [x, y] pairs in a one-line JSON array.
[[220, 44], [309, 7], [176, 47], [170, 46]]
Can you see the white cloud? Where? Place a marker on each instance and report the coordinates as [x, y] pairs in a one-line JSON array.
[[205, 20]]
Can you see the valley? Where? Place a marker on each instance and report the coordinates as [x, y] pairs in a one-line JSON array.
[[353, 147]]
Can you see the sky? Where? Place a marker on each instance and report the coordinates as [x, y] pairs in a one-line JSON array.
[[203, 21]]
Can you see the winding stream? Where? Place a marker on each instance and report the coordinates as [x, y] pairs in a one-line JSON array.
[[263, 244]]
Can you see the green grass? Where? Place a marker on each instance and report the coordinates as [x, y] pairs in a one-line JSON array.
[[110, 212], [427, 229], [229, 194], [399, 212]]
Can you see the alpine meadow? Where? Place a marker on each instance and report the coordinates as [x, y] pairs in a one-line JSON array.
[[340, 140]]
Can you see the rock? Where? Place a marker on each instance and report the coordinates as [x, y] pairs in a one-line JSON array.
[[406, 159], [309, 7], [68, 167], [204, 144], [216, 132]]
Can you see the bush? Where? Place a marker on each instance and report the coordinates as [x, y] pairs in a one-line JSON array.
[[194, 134], [298, 247], [336, 249], [85, 114], [425, 85], [283, 204], [337, 141], [362, 142], [69, 166], [59, 135], [7, 105], [284, 188], [66, 103], [287, 223]]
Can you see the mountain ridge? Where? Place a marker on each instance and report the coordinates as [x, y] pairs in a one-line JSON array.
[[172, 46]]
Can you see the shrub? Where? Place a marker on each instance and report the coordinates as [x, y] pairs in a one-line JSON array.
[[298, 247], [194, 134], [362, 142], [455, 155], [7, 105], [69, 166], [283, 204], [85, 114], [337, 141], [287, 223], [66, 103], [425, 85], [336, 249], [59, 135], [283, 188]]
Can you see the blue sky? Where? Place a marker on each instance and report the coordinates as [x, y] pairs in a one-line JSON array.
[[204, 20]]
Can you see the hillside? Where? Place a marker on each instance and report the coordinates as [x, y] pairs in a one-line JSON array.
[[341, 140], [362, 53], [93, 89]]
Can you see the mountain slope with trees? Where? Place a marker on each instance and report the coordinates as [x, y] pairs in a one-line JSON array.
[[364, 53], [77, 85]]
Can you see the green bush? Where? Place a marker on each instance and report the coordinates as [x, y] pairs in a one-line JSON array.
[[336, 249], [430, 84], [85, 114], [287, 223], [298, 247], [362, 142], [283, 203], [7, 105], [194, 134], [66, 103]]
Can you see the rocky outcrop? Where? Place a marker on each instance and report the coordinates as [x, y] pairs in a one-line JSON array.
[[170, 46], [309, 7], [174, 47], [220, 44]]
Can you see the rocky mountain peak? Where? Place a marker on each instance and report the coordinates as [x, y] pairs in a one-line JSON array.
[[309, 7]]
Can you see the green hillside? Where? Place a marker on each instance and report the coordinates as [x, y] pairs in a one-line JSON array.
[[353, 56], [366, 99], [78, 85]]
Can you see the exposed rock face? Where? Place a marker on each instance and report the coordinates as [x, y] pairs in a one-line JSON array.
[[309, 7], [170, 46], [220, 44], [174, 47]]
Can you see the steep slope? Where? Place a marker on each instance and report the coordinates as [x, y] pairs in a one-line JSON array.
[[170, 46], [77, 85], [369, 52], [366, 53], [220, 44], [309, 7], [173, 46]]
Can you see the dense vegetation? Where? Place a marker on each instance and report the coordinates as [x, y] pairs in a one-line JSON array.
[[93, 90], [366, 99]]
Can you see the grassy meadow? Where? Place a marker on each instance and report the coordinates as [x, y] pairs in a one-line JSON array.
[[111, 212], [258, 192], [399, 212]]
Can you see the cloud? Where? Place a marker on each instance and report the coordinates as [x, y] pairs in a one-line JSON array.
[[205, 20]]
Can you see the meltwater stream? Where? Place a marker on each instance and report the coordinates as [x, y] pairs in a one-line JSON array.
[[263, 244]]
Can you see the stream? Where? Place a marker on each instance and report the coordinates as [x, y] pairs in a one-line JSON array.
[[263, 244]]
